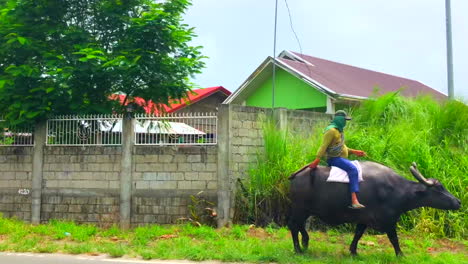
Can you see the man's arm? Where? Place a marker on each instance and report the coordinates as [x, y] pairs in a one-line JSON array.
[[327, 139], [356, 152]]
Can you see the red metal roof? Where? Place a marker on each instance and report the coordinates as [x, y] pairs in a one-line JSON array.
[[192, 97], [349, 80]]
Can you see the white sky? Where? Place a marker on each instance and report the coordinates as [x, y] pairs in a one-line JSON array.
[[399, 37]]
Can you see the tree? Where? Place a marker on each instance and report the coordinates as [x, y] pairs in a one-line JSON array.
[[70, 56]]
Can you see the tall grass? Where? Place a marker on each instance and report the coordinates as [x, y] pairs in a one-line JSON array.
[[397, 131], [265, 193], [393, 130]]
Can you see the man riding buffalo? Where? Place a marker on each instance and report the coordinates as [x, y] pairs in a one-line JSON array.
[[336, 152]]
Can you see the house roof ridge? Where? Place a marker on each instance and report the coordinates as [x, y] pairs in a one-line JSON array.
[[357, 67], [362, 69]]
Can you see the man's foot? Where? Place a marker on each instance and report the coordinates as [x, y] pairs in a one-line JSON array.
[[356, 206]]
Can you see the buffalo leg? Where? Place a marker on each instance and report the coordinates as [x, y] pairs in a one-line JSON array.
[[297, 223], [305, 236], [295, 236], [360, 228], [393, 237]]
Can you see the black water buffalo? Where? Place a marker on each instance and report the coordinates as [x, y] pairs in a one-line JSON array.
[[385, 194]]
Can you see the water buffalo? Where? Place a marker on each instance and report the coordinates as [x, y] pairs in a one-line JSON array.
[[385, 194]]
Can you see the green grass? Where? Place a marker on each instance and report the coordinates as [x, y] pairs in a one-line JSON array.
[[393, 130], [397, 131], [240, 243]]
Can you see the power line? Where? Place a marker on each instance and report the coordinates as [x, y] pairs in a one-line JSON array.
[[292, 27], [297, 38]]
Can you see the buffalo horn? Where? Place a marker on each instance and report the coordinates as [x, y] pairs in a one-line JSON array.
[[419, 176]]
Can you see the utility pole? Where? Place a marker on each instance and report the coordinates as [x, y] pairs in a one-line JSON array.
[[448, 21], [274, 59]]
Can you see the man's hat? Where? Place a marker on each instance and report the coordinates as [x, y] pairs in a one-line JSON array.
[[343, 113]]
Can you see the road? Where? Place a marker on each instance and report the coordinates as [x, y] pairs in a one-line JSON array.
[[29, 258]]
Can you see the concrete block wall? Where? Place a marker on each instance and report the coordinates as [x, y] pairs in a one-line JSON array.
[[246, 137], [84, 183], [164, 178], [81, 184], [303, 121], [15, 182]]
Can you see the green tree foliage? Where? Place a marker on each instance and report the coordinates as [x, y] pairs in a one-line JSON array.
[[69, 56]]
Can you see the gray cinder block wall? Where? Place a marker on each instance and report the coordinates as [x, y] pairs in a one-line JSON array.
[[164, 178], [15, 182], [81, 184], [84, 183]]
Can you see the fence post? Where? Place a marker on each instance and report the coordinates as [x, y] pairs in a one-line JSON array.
[[224, 151], [40, 132], [128, 128]]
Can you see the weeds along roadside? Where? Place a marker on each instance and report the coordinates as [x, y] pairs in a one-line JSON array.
[[236, 244], [393, 130]]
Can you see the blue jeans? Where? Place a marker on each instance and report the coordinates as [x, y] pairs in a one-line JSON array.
[[349, 167]]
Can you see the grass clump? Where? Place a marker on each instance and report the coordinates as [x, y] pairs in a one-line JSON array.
[[114, 250], [77, 249], [145, 234]]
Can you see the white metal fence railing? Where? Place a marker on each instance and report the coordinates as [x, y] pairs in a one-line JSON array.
[[72, 130], [170, 129], [177, 129], [15, 136]]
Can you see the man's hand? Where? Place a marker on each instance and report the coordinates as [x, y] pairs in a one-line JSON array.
[[359, 153], [314, 163]]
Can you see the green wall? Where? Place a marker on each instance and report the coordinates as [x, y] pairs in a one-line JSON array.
[[290, 92]]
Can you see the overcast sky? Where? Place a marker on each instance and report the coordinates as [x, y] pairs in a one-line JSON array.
[[399, 37]]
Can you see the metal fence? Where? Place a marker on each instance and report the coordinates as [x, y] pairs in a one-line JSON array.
[[71, 130], [177, 129], [16, 136], [170, 129]]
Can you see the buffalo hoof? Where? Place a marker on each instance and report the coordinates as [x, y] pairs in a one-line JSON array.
[[353, 253], [400, 254]]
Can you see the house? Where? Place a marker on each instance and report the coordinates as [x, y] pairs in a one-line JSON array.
[[190, 119], [204, 100], [310, 83]]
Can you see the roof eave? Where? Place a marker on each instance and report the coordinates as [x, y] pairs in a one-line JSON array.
[[315, 84], [218, 89], [352, 97], [252, 76]]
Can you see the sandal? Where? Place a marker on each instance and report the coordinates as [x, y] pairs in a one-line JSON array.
[[356, 206]]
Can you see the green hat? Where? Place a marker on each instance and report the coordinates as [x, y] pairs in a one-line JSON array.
[[343, 113]]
